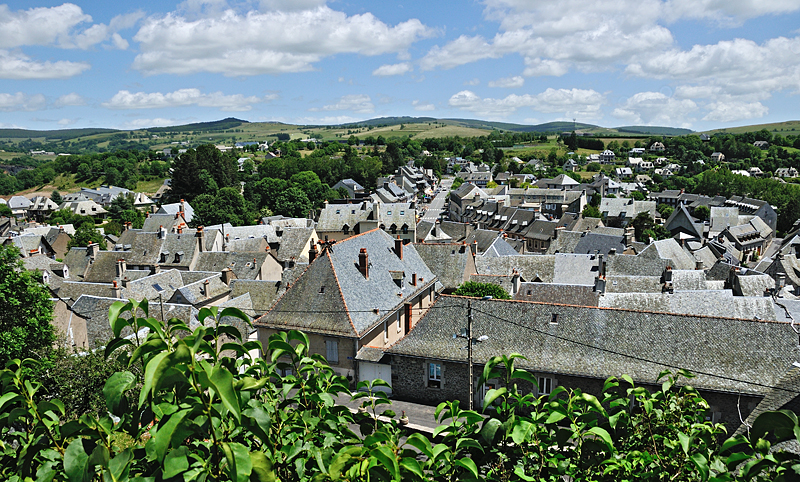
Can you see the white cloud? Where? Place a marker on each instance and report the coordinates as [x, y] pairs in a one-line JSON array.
[[732, 12], [328, 120], [423, 106], [71, 99], [655, 108], [288, 5], [39, 26], [732, 110], [392, 69], [569, 102], [508, 82], [21, 102], [472, 82], [265, 42], [18, 66], [156, 100], [67, 122], [119, 42], [143, 123], [360, 103]]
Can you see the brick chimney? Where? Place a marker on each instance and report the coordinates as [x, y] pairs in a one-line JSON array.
[[122, 267], [363, 262], [92, 249], [227, 276], [413, 279], [162, 232], [398, 248], [201, 238], [116, 290]]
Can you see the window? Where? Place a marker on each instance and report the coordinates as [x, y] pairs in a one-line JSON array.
[[399, 323], [434, 375], [545, 385], [389, 212], [346, 229], [321, 289], [332, 351], [554, 319]]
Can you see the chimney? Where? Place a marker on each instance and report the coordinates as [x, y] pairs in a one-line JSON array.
[[413, 279], [227, 276], [116, 291], [254, 264], [205, 288], [312, 253], [177, 215], [363, 263], [201, 238], [183, 206], [601, 265], [125, 282], [698, 265], [121, 268], [124, 227], [516, 282], [398, 248], [162, 232], [463, 248], [474, 247], [780, 281], [600, 285], [180, 229], [92, 249]]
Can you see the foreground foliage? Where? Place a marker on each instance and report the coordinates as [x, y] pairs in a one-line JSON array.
[[207, 409]]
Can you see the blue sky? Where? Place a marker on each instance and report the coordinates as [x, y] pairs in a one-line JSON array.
[[699, 64]]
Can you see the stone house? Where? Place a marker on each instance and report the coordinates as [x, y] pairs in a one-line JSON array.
[[562, 346], [357, 297]]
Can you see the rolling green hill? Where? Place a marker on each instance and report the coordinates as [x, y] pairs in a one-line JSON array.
[[56, 135]]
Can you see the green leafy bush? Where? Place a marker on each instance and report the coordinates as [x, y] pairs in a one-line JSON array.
[[208, 409]]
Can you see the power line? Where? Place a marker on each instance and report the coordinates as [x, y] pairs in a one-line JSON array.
[[633, 357]]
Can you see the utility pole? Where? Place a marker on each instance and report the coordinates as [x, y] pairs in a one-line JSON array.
[[469, 355]]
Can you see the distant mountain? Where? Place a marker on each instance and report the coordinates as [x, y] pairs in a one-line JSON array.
[[57, 135], [389, 121], [219, 125], [655, 130]]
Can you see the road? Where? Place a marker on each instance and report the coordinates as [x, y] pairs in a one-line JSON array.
[[436, 206]]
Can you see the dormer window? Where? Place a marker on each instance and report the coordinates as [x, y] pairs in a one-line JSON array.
[[164, 257], [321, 290], [402, 213], [338, 211], [389, 212]]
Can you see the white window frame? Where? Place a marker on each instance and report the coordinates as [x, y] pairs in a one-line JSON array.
[[546, 385], [332, 351], [434, 374]]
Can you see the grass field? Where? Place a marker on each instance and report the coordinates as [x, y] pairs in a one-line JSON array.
[[784, 128]]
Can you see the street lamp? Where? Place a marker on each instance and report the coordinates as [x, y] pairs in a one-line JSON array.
[[470, 340]]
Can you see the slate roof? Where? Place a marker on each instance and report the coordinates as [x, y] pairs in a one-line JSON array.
[[104, 267], [530, 267], [200, 291], [293, 244], [705, 255], [175, 208], [754, 285], [696, 302], [332, 296], [247, 245], [333, 216], [184, 245], [240, 263], [142, 288], [19, 202], [613, 207], [633, 284], [671, 250], [484, 237], [785, 396], [503, 281], [573, 269], [598, 343], [590, 243], [72, 290], [262, 293], [558, 293], [153, 223], [500, 247], [77, 260], [689, 280], [721, 218], [188, 277], [447, 261], [638, 265]]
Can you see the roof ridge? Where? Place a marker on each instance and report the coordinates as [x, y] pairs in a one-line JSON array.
[[608, 308]]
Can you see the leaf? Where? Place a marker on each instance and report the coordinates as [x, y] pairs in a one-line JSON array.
[[468, 464], [115, 388], [421, 443], [236, 313], [76, 462], [604, 436], [117, 323], [176, 462], [222, 381], [412, 466], [152, 370], [702, 465], [555, 417], [387, 458], [733, 442], [685, 442], [115, 344], [468, 443], [493, 395], [239, 464], [163, 438], [262, 468], [119, 465], [779, 423], [489, 430], [594, 402]]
